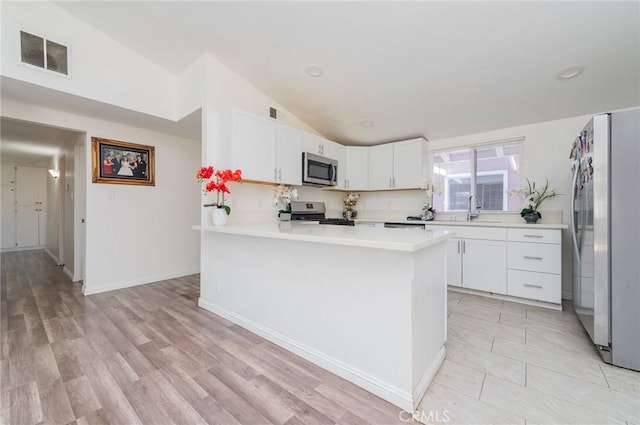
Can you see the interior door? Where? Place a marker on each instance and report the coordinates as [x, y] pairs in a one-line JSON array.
[[8, 217], [27, 226]]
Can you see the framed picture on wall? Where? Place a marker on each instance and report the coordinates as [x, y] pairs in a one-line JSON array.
[[118, 162]]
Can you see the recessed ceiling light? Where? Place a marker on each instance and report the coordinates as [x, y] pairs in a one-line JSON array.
[[315, 71], [570, 72], [366, 123]]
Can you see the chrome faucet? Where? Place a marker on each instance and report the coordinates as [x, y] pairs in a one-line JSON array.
[[472, 214]]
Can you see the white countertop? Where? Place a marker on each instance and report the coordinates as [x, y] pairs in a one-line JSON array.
[[409, 240], [474, 223]]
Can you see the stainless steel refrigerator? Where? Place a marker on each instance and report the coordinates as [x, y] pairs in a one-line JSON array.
[[605, 213]]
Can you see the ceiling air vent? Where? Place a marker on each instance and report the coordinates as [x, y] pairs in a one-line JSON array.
[[43, 53]]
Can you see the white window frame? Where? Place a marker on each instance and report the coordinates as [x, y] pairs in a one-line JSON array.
[[505, 181], [473, 150]]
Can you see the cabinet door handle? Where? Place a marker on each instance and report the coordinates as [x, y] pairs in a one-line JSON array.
[[533, 236], [280, 174], [529, 285], [394, 182], [458, 247], [526, 257], [390, 183], [275, 174]]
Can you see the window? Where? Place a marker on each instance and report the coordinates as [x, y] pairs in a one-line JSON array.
[[43, 53], [491, 170]]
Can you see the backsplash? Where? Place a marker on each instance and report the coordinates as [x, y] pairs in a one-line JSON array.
[[252, 202]]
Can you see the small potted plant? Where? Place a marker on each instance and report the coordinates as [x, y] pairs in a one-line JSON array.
[[532, 199], [218, 184], [282, 196], [350, 200]]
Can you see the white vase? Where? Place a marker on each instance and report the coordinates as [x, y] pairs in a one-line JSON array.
[[219, 216]]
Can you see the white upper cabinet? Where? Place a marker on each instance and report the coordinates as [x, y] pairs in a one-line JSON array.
[[398, 165], [381, 167], [254, 146], [266, 150], [357, 168], [339, 153], [31, 186], [269, 151], [289, 155], [313, 143], [409, 163]]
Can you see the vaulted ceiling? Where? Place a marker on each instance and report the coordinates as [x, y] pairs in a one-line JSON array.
[[432, 69]]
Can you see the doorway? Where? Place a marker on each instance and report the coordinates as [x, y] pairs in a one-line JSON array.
[[51, 160]]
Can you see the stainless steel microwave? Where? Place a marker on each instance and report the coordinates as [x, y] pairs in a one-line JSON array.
[[318, 170]]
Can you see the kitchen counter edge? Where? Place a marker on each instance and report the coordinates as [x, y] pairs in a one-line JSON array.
[[559, 226], [363, 240]]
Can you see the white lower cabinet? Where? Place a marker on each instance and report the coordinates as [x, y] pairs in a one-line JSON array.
[[535, 264], [474, 262], [484, 265], [524, 263], [533, 285]]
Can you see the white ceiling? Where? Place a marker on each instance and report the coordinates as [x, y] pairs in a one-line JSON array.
[[26, 143], [432, 69], [436, 69]]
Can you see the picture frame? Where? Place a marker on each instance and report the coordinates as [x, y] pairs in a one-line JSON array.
[[117, 162]]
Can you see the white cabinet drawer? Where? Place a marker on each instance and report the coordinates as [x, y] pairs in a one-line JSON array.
[[534, 286], [535, 235], [534, 257]]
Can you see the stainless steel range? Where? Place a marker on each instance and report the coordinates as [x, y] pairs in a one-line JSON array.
[[314, 212]]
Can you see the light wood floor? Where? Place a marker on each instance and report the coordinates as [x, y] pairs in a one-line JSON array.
[[149, 355]]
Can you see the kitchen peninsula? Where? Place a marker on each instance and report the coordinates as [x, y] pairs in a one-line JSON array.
[[366, 304]]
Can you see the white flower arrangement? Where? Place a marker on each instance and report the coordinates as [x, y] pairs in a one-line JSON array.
[[283, 194], [532, 198], [430, 189]]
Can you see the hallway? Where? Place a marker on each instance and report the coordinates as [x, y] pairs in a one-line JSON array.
[[149, 355]]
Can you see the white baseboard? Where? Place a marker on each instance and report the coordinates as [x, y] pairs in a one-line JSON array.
[[68, 273], [391, 393], [421, 389], [53, 256], [534, 303], [90, 290], [20, 248]]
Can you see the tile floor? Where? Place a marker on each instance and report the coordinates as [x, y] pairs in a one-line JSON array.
[[509, 363]]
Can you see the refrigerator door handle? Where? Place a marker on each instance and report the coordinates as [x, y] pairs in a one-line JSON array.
[[576, 173]]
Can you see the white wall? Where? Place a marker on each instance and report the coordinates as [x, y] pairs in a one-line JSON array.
[[225, 90], [54, 192], [68, 239], [134, 234], [100, 67]]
